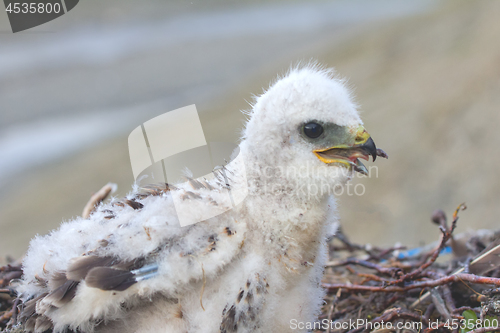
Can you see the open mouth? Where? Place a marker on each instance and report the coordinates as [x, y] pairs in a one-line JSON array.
[[350, 156]]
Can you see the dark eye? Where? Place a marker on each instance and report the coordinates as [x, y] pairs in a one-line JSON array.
[[313, 130]]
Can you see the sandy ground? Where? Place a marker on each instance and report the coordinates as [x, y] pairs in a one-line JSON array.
[[428, 87], [430, 92]]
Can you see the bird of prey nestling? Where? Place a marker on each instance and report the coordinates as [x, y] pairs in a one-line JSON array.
[[257, 267]]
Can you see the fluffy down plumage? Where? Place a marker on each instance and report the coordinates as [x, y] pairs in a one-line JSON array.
[[130, 267]]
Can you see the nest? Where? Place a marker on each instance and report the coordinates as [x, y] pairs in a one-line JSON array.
[[450, 286], [8, 300]]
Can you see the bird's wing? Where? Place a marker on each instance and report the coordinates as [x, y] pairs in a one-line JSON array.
[[89, 269]]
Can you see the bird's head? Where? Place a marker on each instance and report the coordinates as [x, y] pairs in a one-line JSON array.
[[306, 130]]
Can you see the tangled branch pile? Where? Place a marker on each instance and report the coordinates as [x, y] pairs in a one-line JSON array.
[[8, 301], [384, 290]]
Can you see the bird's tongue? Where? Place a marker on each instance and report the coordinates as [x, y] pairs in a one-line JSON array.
[[360, 167], [353, 156], [349, 154]]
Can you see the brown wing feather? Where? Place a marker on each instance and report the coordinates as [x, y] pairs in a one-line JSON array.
[[56, 280], [79, 267], [42, 324], [29, 308], [107, 278], [63, 294], [195, 184], [29, 325], [157, 189], [134, 204]]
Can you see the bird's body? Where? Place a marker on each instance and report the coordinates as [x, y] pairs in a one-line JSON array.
[[130, 266]]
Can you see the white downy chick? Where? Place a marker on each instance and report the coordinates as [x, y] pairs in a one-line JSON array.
[[130, 266]]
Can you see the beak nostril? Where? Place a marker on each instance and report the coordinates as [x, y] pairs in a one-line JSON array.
[[362, 136], [359, 139]]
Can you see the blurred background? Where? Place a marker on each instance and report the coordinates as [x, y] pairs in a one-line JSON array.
[[426, 74]]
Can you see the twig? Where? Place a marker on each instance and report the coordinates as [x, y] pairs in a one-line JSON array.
[[424, 284], [412, 275], [10, 275], [448, 298], [428, 313], [386, 252], [348, 245], [330, 310], [391, 271], [7, 315], [10, 268], [440, 304], [15, 310], [334, 301], [371, 277], [446, 235], [464, 308]]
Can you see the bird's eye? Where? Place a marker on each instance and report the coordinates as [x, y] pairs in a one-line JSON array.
[[313, 130]]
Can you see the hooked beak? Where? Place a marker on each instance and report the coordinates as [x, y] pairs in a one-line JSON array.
[[349, 155]]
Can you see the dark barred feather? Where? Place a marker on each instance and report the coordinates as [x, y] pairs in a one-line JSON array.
[[144, 192], [105, 273], [107, 278], [56, 280], [79, 267], [190, 195], [42, 324], [29, 325], [134, 204], [195, 184], [207, 185], [157, 189], [63, 294], [30, 308]]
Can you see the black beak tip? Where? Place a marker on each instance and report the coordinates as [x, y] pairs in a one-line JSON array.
[[371, 148]]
